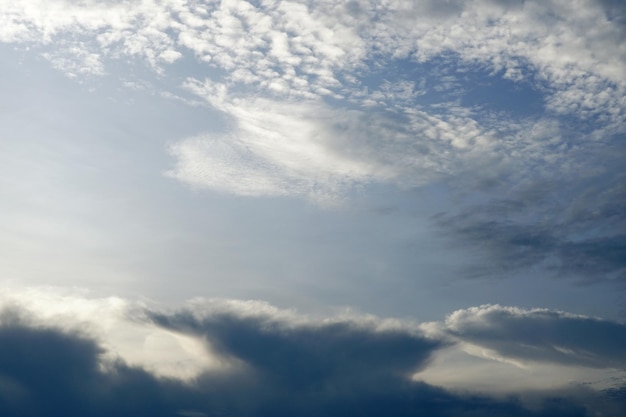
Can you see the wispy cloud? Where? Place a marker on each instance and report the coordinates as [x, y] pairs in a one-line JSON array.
[[310, 148], [570, 222]]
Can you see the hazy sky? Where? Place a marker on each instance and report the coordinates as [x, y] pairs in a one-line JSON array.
[[266, 207]]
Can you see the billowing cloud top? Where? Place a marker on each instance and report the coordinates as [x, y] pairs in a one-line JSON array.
[[274, 361], [541, 335]]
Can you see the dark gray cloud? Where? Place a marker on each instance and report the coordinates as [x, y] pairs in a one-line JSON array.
[[542, 335], [46, 372], [513, 246], [615, 12], [299, 370], [574, 224], [320, 355]]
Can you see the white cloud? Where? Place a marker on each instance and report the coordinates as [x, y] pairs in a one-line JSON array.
[[164, 342], [525, 350], [292, 71], [75, 60], [275, 38], [120, 327], [308, 148]]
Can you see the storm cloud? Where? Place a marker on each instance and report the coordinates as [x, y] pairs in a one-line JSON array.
[[276, 363]]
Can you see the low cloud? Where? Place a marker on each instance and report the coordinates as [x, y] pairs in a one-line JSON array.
[[300, 354], [541, 335], [277, 362], [47, 372]]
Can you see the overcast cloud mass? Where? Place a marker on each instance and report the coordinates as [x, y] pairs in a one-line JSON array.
[[258, 208]]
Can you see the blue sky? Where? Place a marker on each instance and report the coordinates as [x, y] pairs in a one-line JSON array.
[[440, 181]]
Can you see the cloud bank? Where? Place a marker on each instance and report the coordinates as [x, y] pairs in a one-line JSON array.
[[541, 335], [274, 361]]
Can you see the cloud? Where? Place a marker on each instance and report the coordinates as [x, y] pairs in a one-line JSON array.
[[273, 149], [47, 372], [323, 96], [529, 352], [541, 335], [303, 354], [570, 222], [313, 150], [319, 98], [282, 363], [295, 132], [117, 326], [312, 48]]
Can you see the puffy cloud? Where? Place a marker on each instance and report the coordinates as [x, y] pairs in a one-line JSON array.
[[224, 335], [116, 325], [48, 372], [529, 352], [303, 354], [316, 135], [280, 362], [294, 76], [541, 335]]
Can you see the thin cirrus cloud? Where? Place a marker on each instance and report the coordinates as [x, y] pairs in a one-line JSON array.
[[573, 225]]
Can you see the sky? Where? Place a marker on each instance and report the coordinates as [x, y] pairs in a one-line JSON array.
[[255, 208]]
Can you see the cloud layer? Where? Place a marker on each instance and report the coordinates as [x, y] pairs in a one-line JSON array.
[[329, 95], [275, 361], [517, 108], [62, 377], [541, 335]]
